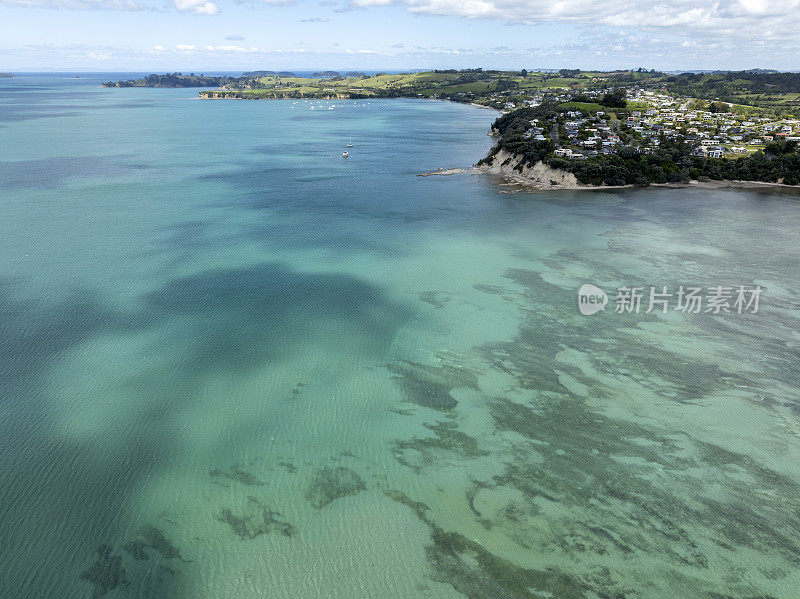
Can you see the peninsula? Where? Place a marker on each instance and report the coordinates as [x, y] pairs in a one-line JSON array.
[[654, 138], [6, 75]]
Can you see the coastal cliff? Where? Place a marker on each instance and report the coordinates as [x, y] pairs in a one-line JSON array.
[[605, 151], [539, 175]]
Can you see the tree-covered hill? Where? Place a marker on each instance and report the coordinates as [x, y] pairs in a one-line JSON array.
[[175, 80]]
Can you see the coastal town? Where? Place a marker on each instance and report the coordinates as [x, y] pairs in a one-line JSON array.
[[588, 129]]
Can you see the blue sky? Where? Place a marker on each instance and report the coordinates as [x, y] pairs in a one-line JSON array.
[[195, 35]]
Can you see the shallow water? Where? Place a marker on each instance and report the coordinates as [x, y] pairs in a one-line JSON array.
[[234, 364]]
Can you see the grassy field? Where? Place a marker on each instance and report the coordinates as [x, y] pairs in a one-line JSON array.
[[587, 106], [475, 84], [427, 83]]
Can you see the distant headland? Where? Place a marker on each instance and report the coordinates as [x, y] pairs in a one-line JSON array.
[[6, 75]]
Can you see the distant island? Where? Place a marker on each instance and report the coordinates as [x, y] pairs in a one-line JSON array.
[[6, 76], [569, 128], [180, 80]]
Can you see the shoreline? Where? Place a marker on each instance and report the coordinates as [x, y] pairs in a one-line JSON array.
[[541, 176], [448, 171], [205, 95], [732, 184], [727, 183], [529, 185], [532, 185]]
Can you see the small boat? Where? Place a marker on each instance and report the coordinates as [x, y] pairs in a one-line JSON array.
[[350, 145], [345, 154]]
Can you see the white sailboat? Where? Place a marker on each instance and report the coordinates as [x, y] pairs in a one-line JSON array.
[[350, 145]]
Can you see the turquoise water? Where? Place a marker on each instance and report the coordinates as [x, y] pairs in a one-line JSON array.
[[233, 364]]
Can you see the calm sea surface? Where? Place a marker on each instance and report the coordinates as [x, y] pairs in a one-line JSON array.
[[234, 364]]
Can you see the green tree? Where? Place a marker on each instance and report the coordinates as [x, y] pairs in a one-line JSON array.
[[615, 99]]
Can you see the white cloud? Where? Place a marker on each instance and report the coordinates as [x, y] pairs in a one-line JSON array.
[[96, 56], [749, 19], [234, 38], [315, 20], [197, 7], [724, 18], [78, 4], [235, 49], [271, 2], [194, 51]]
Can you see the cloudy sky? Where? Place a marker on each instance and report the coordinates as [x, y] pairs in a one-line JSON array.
[[195, 35]]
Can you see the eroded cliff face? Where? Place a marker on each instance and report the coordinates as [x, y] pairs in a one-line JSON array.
[[539, 175]]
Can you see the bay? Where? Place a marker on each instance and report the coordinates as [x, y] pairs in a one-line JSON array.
[[235, 364]]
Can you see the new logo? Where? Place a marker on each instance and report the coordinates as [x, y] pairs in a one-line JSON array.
[[591, 299]]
